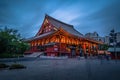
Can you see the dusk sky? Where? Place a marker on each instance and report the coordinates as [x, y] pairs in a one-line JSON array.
[[85, 15]]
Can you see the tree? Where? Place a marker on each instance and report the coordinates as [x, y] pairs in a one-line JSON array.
[[103, 47], [11, 41]]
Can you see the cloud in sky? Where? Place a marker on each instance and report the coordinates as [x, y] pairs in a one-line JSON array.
[[65, 15], [86, 15]]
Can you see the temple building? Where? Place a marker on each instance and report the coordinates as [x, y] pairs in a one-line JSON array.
[[56, 38]]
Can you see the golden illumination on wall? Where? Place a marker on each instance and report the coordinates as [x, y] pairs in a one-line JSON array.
[[38, 42], [46, 41], [56, 39], [69, 41], [52, 39], [66, 40], [63, 39], [32, 44], [68, 49], [72, 40]]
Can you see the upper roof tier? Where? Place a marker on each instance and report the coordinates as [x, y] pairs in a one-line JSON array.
[[58, 24], [67, 27]]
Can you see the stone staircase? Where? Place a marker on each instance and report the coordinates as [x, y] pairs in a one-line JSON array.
[[34, 54]]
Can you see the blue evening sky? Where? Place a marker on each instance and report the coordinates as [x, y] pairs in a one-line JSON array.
[[86, 15]]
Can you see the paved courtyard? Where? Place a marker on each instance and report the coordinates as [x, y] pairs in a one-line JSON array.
[[65, 69]]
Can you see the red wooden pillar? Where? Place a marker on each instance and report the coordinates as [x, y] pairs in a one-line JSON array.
[[97, 49], [84, 48], [60, 44]]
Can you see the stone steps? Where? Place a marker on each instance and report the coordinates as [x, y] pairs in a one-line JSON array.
[[34, 54]]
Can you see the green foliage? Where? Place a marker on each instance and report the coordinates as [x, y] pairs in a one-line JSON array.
[[17, 66], [6, 55], [2, 65], [103, 47], [10, 55], [11, 42]]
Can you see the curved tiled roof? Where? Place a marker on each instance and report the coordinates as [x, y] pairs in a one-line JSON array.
[[67, 27], [59, 24]]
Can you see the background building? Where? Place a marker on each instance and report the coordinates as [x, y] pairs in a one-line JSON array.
[[118, 37], [95, 36], [107, 40]]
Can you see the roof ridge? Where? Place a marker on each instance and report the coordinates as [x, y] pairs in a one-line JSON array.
[[46, 15]]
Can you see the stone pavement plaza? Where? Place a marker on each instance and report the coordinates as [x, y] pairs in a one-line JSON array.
[[64, 69]]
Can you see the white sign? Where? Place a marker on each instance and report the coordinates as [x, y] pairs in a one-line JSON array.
[[55, 49]]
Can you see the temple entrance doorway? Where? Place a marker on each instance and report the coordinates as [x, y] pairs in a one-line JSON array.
[[73, 51]]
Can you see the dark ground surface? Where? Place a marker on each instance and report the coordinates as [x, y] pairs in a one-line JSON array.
[[64, 69]]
